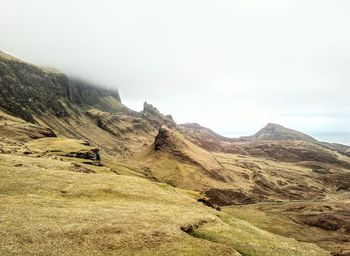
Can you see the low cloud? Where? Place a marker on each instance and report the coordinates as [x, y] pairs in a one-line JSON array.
[[230, 65]]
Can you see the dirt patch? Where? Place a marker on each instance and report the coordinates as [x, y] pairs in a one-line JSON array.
[[327, 222], [191, 227], [206, 202], [225, 197], [92, 154], [334, 221], [80, 168]]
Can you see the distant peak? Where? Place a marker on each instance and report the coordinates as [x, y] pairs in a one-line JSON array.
[[273, 125], [149, 108], [192, 125], [156, 117], [273, 131]]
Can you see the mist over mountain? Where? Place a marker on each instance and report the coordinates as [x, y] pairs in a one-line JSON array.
[[287, 64], [171, 128], [62, 133]]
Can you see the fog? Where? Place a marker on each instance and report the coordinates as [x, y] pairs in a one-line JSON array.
[[229, 65]]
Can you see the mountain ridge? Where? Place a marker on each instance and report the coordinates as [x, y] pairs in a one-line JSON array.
[[80, 130]]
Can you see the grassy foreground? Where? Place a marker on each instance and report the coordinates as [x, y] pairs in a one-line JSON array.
[[48, 209], [286, 219]]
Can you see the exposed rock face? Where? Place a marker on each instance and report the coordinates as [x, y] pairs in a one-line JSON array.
[[165, 140], [27, 89], [224, 197], [75, 108], [92, 154], [162, 139], [82, 92], [278, 132], [156, 118]]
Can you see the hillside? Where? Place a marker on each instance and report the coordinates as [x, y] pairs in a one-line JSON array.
[[75, 108], [95, 177], [177, 161], [27, 90], [272, 141], [61, 210]]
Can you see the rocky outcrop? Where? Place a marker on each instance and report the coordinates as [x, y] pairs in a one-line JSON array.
[[225, 197], [173, 144], [91, 154], [75, 108], [165, 140], [156, 118]]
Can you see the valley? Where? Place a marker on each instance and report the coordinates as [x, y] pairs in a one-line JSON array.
[[82, 174]]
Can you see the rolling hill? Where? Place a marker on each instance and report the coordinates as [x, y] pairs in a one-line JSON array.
[[87, 175]]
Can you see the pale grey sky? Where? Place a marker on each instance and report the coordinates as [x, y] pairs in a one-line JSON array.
[[231, 65]]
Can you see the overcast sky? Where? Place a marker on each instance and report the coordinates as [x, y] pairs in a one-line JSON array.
[[229, 65]]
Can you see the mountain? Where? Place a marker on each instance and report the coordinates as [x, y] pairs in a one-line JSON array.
[[27, 90], [75, 108], [86, 174], [203, 137], [278, 132]]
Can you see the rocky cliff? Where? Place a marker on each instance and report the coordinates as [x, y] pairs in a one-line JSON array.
[[156, 118], [74, 108], [27, 89]]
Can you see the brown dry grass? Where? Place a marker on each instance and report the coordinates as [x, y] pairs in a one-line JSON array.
[[286, 219], [48, 210]]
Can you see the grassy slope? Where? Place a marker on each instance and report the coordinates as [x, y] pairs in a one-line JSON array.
[[181, 163], [279, 180], [47, 209], [281, 218], [62, 145], [165, 168], [252, 241]]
